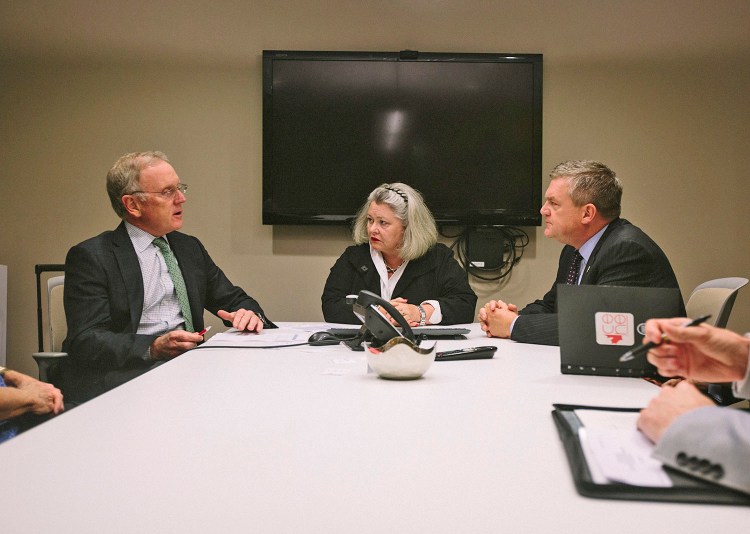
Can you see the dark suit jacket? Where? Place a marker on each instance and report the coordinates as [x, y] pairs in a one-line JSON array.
[[624, 256], [434, 276], [104, 301]]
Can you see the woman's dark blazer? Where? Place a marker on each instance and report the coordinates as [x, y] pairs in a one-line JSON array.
[[435, 276]]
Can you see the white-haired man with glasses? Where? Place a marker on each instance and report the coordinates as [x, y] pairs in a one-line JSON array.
[[134, 296]]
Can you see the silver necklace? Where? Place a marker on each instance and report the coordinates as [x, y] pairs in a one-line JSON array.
[[392, 270]]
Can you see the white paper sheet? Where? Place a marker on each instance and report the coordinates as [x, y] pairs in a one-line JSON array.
[[268, 337], [616, 451]]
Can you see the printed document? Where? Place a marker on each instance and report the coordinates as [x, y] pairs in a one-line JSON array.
[[616, 451]]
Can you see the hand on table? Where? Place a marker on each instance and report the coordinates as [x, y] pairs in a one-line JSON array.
[[243, 320]]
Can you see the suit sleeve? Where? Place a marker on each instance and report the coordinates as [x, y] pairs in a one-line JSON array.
[[222, 294], [537, 322], [547, 304], [99, 326], [538, 328], [457, 300], [711, 443], [342, 281]]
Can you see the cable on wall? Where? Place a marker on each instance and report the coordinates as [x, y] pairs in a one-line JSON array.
[[489, 253]]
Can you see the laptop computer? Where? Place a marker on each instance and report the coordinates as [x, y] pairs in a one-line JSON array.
[[598, 324]]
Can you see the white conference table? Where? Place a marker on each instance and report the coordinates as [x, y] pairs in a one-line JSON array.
[[305, 440]]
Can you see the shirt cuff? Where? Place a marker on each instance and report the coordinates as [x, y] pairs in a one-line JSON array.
[[741, 389], [437, 315]]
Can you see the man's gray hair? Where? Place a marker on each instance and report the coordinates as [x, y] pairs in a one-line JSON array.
[[592, 182], [124, 176]]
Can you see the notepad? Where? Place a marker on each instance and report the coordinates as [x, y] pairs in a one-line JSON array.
[[605, 469], [616, 451]]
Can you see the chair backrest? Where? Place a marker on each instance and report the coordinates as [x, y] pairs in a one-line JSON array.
[[715, 297], [58, 327], [41, 270]]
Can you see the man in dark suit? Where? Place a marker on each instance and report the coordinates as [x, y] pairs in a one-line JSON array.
[[133, 301], [582, 211]]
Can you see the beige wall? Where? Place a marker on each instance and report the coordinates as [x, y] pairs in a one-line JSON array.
[[660, 93]]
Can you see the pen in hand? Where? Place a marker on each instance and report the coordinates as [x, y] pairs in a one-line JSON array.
[[203, 332], [650, 345]]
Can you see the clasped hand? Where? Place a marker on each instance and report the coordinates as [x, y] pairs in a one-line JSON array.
[[496, 318], [44, 398], [410, 312], [47, 398]]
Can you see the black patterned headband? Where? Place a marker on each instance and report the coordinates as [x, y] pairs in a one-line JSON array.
[[398, 192]]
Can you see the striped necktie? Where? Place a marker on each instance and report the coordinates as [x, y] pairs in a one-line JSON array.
[[177, 280]]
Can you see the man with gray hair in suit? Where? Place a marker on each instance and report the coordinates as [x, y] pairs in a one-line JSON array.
[[134, 297], [582, 211]]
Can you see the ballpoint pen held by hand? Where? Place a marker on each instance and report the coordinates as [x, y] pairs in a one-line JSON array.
[[650, 345]]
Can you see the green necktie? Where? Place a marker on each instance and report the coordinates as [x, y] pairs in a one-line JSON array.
[[177, 280]]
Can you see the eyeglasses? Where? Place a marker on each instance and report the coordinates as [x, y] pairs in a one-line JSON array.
[[168, 193]]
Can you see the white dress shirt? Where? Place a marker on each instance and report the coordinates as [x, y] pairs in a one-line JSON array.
[[387, 285], [161, 310]]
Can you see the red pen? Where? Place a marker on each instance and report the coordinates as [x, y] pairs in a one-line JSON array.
[[203, 332]]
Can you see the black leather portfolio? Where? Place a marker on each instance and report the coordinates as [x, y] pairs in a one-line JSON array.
[[685, 489]]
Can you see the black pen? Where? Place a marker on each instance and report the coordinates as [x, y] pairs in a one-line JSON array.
[[650, 345]]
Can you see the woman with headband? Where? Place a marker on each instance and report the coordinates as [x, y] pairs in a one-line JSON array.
[[397, 256]]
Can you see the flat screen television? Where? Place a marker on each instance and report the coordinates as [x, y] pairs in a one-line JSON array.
[[465, 129]]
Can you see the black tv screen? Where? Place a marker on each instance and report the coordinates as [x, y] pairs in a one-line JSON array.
[[464, 129]]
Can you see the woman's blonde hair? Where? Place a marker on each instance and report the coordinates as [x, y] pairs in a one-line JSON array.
[[420, 230]]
